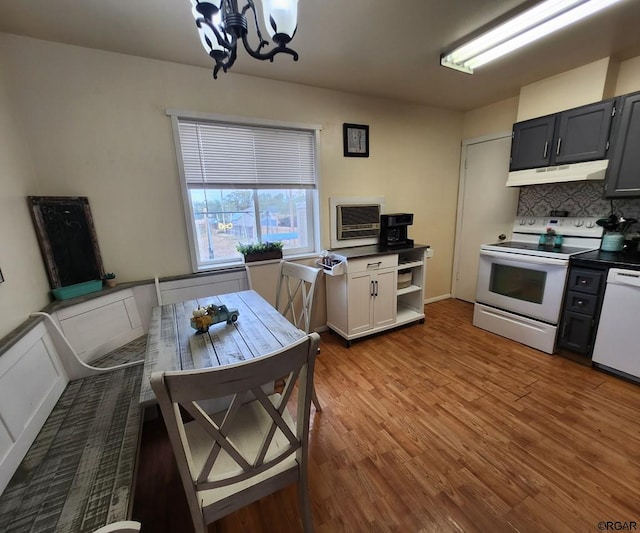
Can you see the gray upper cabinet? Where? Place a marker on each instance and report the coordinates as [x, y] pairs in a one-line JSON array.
[[582, 134], [623, 173], [573, 136], [531, 143]]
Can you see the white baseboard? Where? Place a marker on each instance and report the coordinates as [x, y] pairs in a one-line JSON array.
[[437, 298]]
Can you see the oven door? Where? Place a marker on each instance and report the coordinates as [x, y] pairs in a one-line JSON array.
[[528, 285]]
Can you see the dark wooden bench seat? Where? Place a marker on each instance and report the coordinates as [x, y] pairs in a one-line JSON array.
[[78, 475]]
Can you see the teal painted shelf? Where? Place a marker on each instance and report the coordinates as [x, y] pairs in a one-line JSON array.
[[79, 289]]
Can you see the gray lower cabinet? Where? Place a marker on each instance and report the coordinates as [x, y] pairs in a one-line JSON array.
[[623, 174], [581, 310]]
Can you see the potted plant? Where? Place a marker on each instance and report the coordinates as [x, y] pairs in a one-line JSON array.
[[109, 279], [261, 251]]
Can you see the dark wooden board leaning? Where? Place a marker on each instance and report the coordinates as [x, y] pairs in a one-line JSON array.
[[67, 238]]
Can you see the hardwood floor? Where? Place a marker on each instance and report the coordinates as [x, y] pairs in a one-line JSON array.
[[442, 427]]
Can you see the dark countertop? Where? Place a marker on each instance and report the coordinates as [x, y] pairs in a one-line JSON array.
[[598, 258], [376, 249]]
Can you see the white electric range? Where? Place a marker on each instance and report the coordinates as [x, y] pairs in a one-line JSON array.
[[521, 282]]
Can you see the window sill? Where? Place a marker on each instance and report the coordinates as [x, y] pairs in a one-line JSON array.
[[241, 264]]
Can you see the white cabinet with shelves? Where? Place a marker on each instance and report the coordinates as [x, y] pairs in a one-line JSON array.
[[410, 300], [365, 299]]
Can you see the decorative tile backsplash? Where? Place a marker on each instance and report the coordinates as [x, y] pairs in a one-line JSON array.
[[583, 198]]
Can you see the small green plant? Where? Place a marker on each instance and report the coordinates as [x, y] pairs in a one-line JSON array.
[[109, 275], [259, 247]]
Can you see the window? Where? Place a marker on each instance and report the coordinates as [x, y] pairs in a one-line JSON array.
[[246, 183]]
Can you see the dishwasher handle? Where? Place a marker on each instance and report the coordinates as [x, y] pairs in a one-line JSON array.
[[619, 276]]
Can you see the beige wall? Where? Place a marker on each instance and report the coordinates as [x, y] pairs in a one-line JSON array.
[[628, 80], [491, 119], [576, 87], [25, 287], [96, 124]]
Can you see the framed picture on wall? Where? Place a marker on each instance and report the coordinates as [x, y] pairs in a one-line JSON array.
[[356, 140]]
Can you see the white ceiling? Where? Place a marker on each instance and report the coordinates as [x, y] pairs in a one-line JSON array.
[[372, 47]]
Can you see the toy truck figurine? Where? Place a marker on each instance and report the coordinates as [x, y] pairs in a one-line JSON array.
[[203, 317]]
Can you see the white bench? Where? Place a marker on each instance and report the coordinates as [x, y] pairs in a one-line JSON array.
[[68, 434]]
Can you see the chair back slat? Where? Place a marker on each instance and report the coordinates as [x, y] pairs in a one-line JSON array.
[[295, 293], [219, 441]]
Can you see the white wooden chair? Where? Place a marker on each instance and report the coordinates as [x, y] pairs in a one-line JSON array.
[[253, 448], [294, 298]]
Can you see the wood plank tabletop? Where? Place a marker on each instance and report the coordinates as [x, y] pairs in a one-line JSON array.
[[173, 345]]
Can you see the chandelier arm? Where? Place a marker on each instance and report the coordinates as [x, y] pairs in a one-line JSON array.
[[224, 65], [256, 54], [251, 6], [216, 69]]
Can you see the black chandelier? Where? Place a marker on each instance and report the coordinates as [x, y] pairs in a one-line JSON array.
[[221, 24]]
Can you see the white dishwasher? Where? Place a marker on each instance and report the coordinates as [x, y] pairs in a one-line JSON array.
[[617, 345]]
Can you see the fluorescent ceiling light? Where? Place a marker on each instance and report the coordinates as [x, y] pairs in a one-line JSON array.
[[529, 26]]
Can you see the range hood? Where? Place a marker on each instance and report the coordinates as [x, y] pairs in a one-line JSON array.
[[590, 170]]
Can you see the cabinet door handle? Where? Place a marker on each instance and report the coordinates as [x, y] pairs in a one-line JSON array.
[[376, 288], [558, 147], [374, 265], [546, 149], [371, 291]]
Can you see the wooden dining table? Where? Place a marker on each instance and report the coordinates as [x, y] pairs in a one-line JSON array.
[[172, 344]]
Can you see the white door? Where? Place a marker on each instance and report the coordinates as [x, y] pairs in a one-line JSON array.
[[486, 207]]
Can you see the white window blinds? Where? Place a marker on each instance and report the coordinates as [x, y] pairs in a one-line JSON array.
[[222, 155]]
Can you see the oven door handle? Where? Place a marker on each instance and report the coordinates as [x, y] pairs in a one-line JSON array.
[[533, 259]]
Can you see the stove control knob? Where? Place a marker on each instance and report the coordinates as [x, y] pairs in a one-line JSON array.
[[578, 223], [522, 221], [531, 221], [591, 224]]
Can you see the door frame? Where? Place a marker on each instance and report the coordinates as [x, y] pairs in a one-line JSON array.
[[461, 189]]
